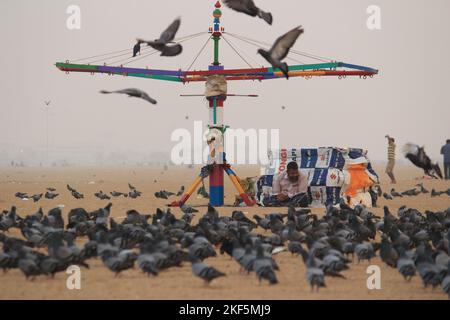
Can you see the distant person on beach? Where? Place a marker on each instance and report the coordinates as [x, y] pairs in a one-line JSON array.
[[391, 159], [289, 189], [445, 151]]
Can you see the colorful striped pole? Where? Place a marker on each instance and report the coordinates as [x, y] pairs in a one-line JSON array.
[[216, 189]]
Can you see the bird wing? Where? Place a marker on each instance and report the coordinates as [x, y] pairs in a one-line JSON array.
[[284, 43], [244, 6], [136, 48], [146, 97], [169, 34], [410, 148]]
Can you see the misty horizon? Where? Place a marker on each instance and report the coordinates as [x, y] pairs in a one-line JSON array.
[[407, 99]]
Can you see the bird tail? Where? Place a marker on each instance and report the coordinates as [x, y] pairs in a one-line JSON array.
[[266, 16]]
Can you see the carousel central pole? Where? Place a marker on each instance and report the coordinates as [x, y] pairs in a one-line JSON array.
[[216, 177]]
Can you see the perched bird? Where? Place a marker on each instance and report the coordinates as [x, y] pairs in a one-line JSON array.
[[395, 193], [264, 267], [314, 275], [51, 195], [102, 196], [280, 50], [180, 193], [132, 92], [364, 251], [387, 196], [422, 188], [133, 194], [116, 194], [137, 48], [241, 217], [37, 197], [21, 195], [204, 271], [262, 222], [435, 193], [411, 192], [248, 7], [51, 189], [187, 209], [77, 195], [388, 253], [167, 37], [118, 262], [405, 265], [203, 193], [28, 267], [161, 195]]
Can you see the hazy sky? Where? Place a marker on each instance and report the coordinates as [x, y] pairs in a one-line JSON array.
[[409, 99]]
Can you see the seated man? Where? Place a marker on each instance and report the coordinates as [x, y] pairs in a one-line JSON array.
[[289, 189]]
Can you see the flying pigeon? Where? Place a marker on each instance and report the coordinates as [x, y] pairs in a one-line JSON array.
[[280, 50], [420, 159], [249, 7], [135, 93], [167, 37]]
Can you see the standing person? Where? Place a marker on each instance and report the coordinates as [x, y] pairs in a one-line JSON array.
[[445, 151], [290, 188], [391, 159]]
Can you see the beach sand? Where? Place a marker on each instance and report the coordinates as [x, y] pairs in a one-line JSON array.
[[178, 283]]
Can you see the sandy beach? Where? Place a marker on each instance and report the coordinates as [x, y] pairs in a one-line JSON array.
[[179, 283]]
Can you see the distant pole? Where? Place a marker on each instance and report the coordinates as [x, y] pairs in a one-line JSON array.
[[47, 107]]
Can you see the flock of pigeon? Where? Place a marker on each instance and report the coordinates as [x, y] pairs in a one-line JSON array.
[[412, 242], [418, 189], [50, 194], [168, 48], [133, 194], [163, 194]]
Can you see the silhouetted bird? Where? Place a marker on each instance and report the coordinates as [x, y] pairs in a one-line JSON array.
[[167, 37], [248, 7], [132, 92], [280, 50], [420, 159], [137, 48]]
